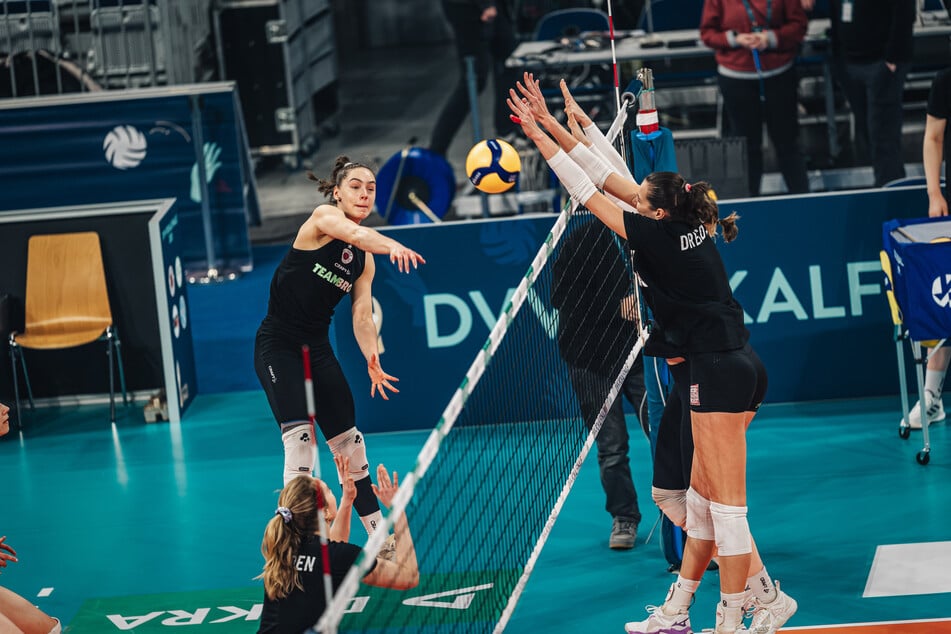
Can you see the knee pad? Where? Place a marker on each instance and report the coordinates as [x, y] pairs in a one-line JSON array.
[[699, 523], [300, 450], [352, 445], [672, 503], [732, 529]]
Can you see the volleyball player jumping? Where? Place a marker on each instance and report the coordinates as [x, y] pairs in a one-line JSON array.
[[331, 257]]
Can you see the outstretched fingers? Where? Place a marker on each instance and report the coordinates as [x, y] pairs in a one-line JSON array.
[[381, 384], [385, 488], [572, 109], [520, 108], [532, 92], [405, 258], [575, 128]]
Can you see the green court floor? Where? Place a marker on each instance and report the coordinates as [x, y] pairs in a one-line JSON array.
[[155, 527]]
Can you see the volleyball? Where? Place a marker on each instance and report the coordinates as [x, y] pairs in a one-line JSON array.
[[125, 147], [493, 166]]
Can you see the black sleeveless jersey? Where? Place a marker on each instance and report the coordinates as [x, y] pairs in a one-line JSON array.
[[308, 285], [687, 288]]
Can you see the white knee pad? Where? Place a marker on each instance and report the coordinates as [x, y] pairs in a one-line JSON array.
[[699, 522], [300, 452], [351, 444], [672, 503], [732, 529]]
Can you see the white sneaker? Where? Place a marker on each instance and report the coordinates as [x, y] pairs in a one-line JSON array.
[[769, 617], [720, 628], [935, 410], [659, 622]]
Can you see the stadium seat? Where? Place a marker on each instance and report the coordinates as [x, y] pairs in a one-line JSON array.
[[672, 15], [570, 23], [591, 84]]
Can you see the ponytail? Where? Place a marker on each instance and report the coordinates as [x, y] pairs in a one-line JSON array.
[[729, 226], [692, 203], [294, 521]]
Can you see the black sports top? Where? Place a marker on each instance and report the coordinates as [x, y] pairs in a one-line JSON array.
[[300, 609], [687, 288], [939, 106], [308, 285]]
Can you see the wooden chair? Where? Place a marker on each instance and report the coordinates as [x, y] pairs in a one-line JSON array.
[[67, 305]]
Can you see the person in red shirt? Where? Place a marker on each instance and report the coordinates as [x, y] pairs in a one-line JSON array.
[[755, 43]]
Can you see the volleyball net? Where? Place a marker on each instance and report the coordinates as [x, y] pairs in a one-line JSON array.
[[495, 471]]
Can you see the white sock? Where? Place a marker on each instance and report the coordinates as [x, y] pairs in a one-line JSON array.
[[681, 595], [371, 521], [934, 381], [761, 587], [300, 452], [730, 611]]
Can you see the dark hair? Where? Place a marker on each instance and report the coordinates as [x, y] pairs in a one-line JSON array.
[[692, 203], [342, 166]]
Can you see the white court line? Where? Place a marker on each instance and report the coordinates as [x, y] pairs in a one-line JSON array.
[[909, 569], [45, 592]]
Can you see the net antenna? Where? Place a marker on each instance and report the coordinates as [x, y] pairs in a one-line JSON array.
[[319, 492], [510, 443]]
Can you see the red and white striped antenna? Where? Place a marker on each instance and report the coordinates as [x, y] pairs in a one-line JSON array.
[[321, 503]]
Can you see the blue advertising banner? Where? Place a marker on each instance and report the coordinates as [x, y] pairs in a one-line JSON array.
[[434, 320], [171, 295], [128, 145], [805, 268], [808, 274]]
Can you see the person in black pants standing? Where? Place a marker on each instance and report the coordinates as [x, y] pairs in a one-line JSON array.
[[593, 292], [873, 43], [483, 29]]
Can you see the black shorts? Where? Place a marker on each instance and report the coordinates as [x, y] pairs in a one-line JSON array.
[[733, 381], [280, 369]]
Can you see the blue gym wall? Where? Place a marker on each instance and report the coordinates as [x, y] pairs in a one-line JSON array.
[[805, 269]]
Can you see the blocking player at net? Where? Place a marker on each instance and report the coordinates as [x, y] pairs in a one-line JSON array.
[[697, 317]]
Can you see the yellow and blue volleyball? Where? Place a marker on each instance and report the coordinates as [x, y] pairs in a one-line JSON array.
[[493, 166]]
